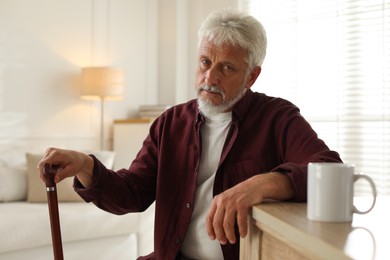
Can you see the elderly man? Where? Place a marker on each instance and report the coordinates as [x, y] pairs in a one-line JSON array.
[[206, 162]]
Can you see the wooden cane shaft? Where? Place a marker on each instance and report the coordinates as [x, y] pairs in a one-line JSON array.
[[52, 200], [55, 222]]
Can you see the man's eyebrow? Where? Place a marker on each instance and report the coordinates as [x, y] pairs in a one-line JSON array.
[[228, 62], [231, 62]]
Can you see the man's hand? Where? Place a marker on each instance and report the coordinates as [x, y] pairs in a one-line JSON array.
[[68, 164], [232, 206]]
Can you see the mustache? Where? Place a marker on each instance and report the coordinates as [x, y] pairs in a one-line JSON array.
[[211, 89]]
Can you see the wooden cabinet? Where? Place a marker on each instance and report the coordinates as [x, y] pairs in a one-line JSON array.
[[129, 135]]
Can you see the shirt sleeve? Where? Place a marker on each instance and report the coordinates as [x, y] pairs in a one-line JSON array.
[[92, 193], [118, 192], [299, 144]]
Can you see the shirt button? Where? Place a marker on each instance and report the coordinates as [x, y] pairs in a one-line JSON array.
[[177, 241], [188, 205]]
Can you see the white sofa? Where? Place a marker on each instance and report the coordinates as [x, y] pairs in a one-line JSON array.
[[87, 232]]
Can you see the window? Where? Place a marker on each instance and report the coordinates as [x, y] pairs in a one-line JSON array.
[[332, 59]]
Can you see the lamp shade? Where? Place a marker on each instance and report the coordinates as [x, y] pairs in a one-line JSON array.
[[102, 82]]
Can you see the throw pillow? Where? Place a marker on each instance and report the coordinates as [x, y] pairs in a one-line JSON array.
[[36, 191]]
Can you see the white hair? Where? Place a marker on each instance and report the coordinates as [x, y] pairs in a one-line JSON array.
[[227, 26]]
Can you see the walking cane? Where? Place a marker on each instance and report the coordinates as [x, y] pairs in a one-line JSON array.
[[48, 175]]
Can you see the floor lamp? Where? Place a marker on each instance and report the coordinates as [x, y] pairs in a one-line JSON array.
[[103, 83]]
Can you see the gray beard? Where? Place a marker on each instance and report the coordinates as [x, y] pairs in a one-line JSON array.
[[207, 108]]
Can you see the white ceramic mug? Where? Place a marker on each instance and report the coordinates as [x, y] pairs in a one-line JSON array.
[[330, 192]]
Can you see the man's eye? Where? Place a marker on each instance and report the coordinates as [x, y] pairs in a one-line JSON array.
[[205, 62], [228, 68]]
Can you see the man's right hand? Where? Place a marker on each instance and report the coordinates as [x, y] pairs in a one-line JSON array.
[[69, 163]]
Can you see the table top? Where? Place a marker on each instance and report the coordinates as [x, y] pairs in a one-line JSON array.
[[366, 237], [133, 121]]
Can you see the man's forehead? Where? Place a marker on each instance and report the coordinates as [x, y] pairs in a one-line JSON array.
[[226, 50]]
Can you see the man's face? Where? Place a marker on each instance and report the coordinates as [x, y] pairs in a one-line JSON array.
[[225, 69]]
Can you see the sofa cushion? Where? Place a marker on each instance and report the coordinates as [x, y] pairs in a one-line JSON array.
[[13, 183], [26, 225]]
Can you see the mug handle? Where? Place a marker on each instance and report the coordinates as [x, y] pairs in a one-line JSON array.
[[373, 189]]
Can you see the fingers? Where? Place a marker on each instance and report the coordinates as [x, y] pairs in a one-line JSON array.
[[43, 161], [216, 225], [221, 221], [57, 160], [228, 224], [47, 159], [52, 156], [242, 222], [209, 222]]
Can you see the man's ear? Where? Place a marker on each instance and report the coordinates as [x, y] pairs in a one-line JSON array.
[[255, 72]]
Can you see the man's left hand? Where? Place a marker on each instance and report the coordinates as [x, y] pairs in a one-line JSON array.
[[232, 206]]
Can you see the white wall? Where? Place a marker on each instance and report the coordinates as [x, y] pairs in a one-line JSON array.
[[44, 43]]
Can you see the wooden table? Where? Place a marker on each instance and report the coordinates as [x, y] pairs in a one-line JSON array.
[[281, 230]]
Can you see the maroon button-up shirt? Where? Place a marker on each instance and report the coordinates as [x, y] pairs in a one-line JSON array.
[[267, 134]]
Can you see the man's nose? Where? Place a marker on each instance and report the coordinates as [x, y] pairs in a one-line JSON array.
[[212, 76]]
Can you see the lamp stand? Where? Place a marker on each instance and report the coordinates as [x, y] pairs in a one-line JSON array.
[[102, 123], [102, 83]]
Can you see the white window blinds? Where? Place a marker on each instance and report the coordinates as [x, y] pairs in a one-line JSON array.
[[332, 59]]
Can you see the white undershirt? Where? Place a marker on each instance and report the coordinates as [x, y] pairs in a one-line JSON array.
[[197, 244]]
